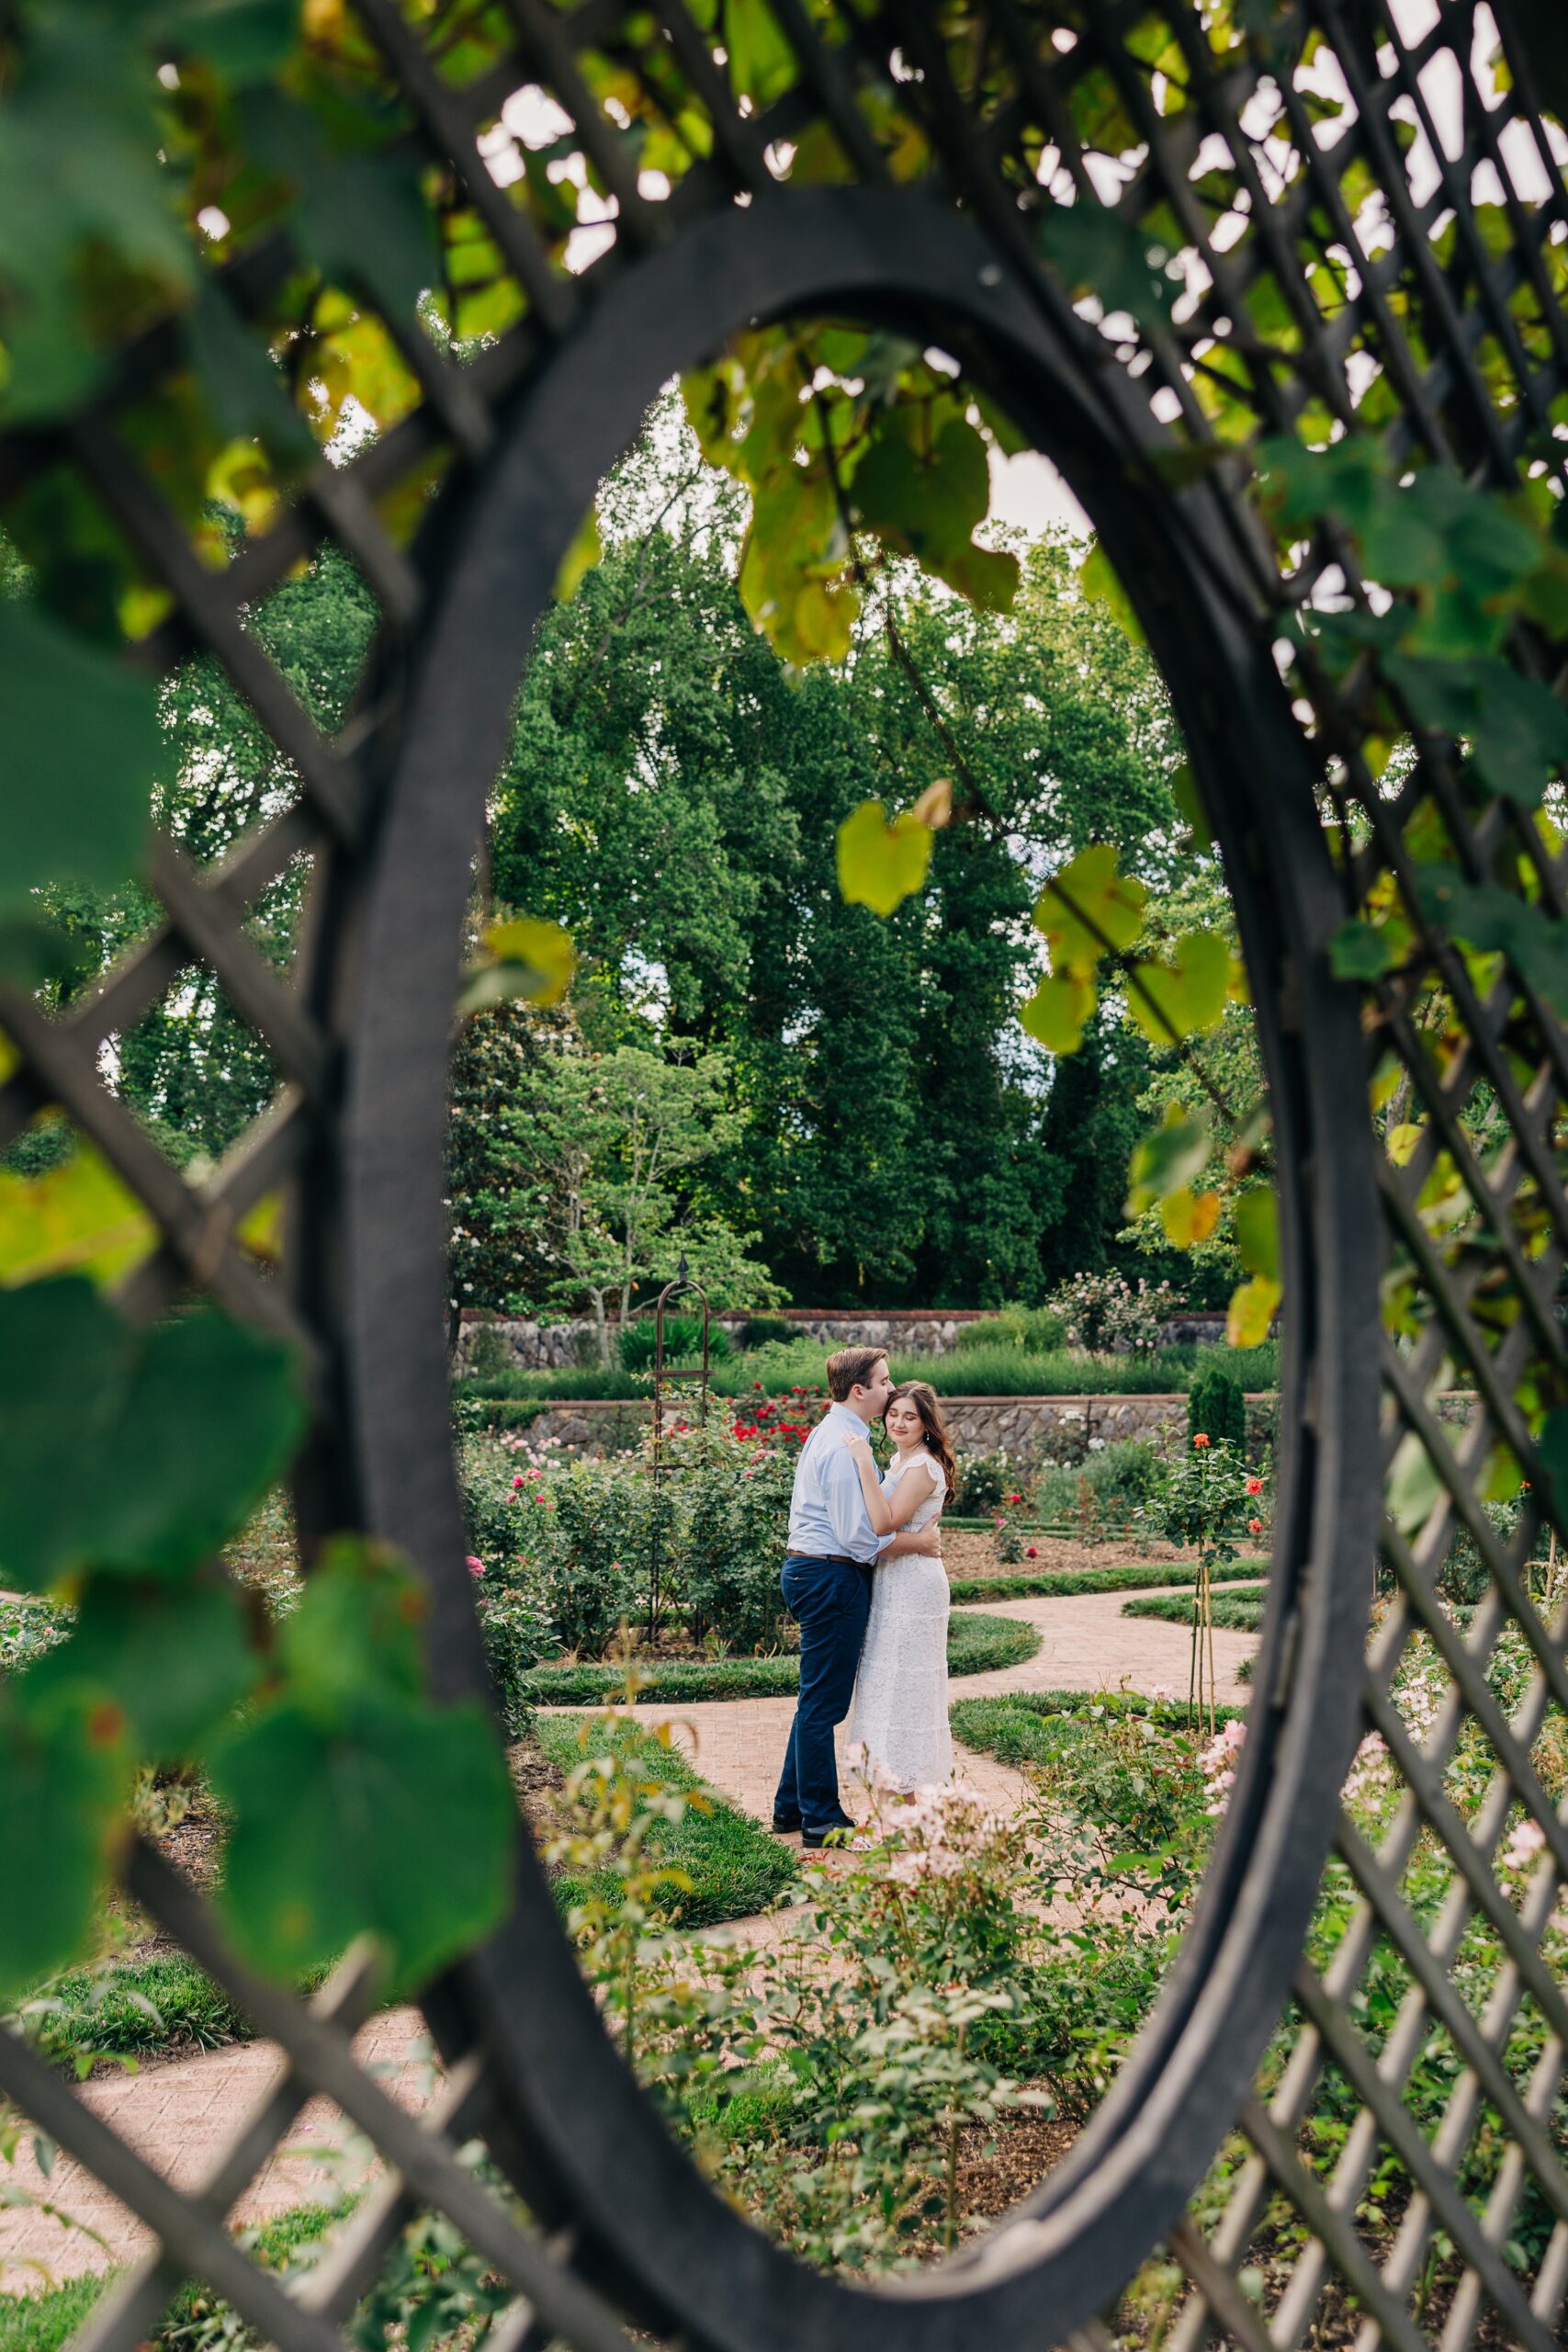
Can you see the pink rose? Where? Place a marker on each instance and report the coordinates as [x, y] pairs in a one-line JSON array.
[[476, 1568], [518, 1481]]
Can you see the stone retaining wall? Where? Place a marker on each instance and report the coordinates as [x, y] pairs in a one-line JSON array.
[[1027, 1427], [549, 1347]]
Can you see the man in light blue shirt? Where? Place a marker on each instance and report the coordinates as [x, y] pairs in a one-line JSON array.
[[827, 1587]]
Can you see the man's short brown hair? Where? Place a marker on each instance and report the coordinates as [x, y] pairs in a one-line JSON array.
[[850, 1368]]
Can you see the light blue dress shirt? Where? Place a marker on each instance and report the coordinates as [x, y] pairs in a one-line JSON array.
[[827, 1510]]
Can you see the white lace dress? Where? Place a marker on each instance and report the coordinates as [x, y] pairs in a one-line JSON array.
[[899, 1710]]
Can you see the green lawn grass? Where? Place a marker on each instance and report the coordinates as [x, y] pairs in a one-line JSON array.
[[40, 2322], [1033, 1727], [1236, 1611], [130, 2007], [975, 1645], [735, 1866]]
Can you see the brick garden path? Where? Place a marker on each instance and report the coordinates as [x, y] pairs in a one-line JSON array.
[[180, 2116]]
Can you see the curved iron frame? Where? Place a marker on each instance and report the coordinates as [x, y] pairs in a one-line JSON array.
[[1468, 336], [872, 256]]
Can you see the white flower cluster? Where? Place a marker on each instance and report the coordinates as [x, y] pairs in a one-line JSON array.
[[936, 1833], [1217, 1762]]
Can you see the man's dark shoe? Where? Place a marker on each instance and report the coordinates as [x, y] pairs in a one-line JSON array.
[[786, 1828], [814, 1838]]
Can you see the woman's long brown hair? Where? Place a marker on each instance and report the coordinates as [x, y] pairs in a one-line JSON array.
[[923, 1397]]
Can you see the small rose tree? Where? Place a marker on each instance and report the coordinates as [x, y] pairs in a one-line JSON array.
[[1210, 1498]]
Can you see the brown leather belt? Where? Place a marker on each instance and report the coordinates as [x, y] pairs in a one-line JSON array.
[[828, 1560]]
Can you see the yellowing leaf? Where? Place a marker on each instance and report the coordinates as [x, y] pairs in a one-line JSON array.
[[75, 1217], [1256, 1218], [1086, 907], [522, 958], [261, 1230], [1055, 1015], [1252, 1310], [579, 558], [1167, 1159], [1188, 1218], [1187, 993], [1402, 1141], [1102, 583], [880, 864]]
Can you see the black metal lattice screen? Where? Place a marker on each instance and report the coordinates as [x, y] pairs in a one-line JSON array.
[[1366, 207]]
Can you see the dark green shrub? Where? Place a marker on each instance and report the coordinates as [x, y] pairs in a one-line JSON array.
[[768, 1330], [517, 1634], [1216, 1406], [488, 1354], [683, 1342], [984, 1480]]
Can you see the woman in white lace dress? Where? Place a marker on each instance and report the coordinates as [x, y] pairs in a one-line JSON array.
[[900, 1711]]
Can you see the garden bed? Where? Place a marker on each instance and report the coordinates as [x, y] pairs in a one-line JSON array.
[[1237, 1611], [975, 1645]]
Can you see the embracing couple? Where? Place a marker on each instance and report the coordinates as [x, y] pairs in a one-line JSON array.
[[863, 1579]]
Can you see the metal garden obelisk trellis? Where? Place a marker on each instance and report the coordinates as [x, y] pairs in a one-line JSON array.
[[675, 1387], [1363, 222]]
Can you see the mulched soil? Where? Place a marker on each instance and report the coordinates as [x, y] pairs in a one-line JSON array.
[[537, 1782], [998, 2165], [972, 1552]]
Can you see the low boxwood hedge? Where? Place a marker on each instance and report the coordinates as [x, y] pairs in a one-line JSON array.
[[1237, 1609], [1069, 1583], [975, 1645]]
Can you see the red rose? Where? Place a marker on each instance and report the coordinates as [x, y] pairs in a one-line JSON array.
[[1255, 1486], [518, 1481], [1031, 1553], [1015, 1498], [1255, 1527]]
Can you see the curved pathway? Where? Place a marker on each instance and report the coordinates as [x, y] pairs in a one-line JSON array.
[[182, 2114]]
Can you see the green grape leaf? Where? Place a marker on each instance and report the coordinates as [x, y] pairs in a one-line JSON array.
[[173, 1659], [880, 864], [1087, 906], [1098, 253], [83, 748], [1055, 1015], [927, 504], [1252, 1310], [761, 63], [1551, 1445], [1361, 951], [130, 1449], [1167, 1158], [362, 218], [1189, 992], [64, 1768], [1347, 480], [1255, 1217], [356, 1628], [1184, 792], [347, 1831], [244, 389], [78, 1216], [1414, 1483], [521, 958], [1496, 923], [1516, 731], [246, 40]]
